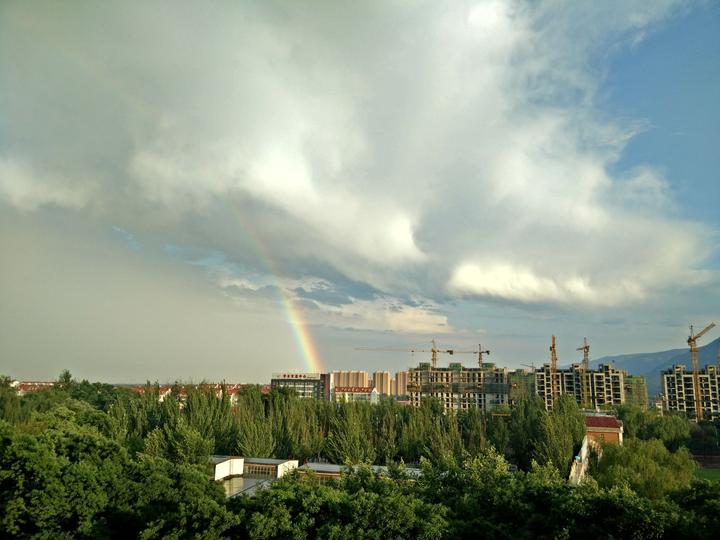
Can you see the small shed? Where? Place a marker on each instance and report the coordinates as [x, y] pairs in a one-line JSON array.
[[604, 428]]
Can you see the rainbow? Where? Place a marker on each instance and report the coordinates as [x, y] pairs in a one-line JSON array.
[[305, 344], [303, 338], [302, 335]]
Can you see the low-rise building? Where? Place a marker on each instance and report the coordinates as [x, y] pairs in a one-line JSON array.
[[246, 475], [332, 471], [307, 385], [352, 394], [604, 428]]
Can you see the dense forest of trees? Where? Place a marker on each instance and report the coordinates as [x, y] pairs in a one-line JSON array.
[[91, 460]]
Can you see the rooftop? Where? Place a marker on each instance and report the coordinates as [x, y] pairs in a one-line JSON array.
[[602, 422]]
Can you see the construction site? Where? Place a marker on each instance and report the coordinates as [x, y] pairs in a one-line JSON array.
[[694, 392], [487, 386]]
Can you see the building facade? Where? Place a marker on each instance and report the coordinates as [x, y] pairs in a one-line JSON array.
[[400, 383], [604, 429], [521, 383], [678, 390], [459, 388], [592, 389], [351, 378], [352, 394], [307, 385], [382, 382]]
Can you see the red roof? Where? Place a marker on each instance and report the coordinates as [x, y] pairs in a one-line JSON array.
[[602, 422]]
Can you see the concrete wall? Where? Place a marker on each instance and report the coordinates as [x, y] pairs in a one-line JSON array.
[[286, 467], [229, 467], [613, 437]]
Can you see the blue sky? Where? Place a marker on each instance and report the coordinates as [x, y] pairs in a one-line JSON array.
[[672, 79], [486, 172]]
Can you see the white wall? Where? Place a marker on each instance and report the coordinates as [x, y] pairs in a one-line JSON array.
[[286, 467], [230, 467]]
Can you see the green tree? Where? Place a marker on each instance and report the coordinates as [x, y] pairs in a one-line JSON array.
[[348, 441], [672, 430], [526, 421], [179, 443], [645, 466], [9, 401], [561, 433]]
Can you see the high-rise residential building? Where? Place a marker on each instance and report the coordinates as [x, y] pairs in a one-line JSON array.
[[307, 385], [679, 390], [458, 387], [351, 378], [591, 389], [381, 381], [400, 383]]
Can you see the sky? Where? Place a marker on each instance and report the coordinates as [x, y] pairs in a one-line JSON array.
[[208, 191]]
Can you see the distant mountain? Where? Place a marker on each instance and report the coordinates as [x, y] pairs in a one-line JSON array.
[[650, 365]]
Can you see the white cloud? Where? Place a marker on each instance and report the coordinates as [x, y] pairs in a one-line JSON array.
[[503, 280], [384, 314], [419, 149], [25, 189]]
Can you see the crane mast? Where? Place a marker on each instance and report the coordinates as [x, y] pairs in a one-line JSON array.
[[585, 374], [692, 342], [553, 370], [586, 354], [480, 355]]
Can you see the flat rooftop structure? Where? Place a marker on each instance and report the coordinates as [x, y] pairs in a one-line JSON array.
[[267, 461], [227, 466], [246, 475], [335, 470]]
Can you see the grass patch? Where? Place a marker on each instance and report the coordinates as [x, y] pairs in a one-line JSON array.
[[708, 474]]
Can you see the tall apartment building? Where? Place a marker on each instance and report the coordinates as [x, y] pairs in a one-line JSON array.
[[400, 383], [591, 389], [679, 391], [458, 387], [351, 378], [382, 382], [307, 385]]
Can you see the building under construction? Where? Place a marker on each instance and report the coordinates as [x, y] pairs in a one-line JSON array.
[[487, 386], [459, 388], [678, 386], [591, 388]]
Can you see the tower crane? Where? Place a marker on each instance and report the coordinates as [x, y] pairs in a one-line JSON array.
[[586, 354], [434, 351], [692, 342], [585, 375], [480, 355], [553, 370]]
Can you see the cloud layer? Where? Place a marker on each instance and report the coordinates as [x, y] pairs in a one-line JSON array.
[[424, 153]]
